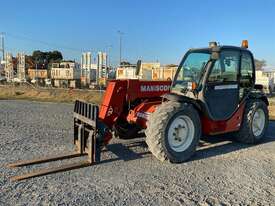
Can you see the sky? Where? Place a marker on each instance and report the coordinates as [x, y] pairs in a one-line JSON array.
[[153, 30]]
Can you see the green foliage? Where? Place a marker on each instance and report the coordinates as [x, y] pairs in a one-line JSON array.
[[125, 63], [40, 57]]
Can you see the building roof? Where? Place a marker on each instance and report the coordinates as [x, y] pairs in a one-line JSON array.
[[269, 68]]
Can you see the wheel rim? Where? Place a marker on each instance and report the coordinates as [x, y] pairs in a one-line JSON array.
[[258, 122], [181, 133]]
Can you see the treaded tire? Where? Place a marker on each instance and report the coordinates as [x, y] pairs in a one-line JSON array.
[[245, 134], [157, 131]]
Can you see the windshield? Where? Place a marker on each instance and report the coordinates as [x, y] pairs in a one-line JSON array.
[[191, 69]]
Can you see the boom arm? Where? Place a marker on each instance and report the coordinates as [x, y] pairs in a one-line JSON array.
[[120, 94]]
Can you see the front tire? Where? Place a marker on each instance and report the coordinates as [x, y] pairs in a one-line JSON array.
[[254, 123], [173, 131]]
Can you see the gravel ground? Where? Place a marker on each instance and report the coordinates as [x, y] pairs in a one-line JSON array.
[[221, 173]]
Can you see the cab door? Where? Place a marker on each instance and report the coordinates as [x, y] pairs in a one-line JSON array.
[[221, 94], [247, 74]]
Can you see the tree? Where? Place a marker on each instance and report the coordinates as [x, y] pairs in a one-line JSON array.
[[38, 56], [42, 57], [54, 56], [125, 63], [259, 64], [46, 58]]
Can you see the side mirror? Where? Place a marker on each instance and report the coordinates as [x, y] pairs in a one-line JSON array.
[[138, 67], [215, 55]]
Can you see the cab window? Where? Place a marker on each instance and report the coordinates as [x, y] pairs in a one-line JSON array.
[[246, 77], [225, 68]]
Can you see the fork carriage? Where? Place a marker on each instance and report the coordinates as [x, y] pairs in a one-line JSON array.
[[85, 140]]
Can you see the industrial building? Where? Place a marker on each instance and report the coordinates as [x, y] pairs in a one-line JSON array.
[[266, 77], [38, 74], [166, 72], [148, 71], [102, 68], [126, 72], [268, 71], [9, 68], [88, 69], [21, 66], [129, 71], [66, 74], [91, 72], [1, 69], [147, 68], [2, 72]]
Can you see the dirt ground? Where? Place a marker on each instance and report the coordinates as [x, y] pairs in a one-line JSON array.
[[222, 172], [47, 94]]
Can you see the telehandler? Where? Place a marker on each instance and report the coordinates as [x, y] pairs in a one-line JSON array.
[[213, 92]]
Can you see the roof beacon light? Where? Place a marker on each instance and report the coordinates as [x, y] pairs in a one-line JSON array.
[[245, 44], [213, 44]]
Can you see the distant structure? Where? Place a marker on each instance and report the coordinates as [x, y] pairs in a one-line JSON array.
[[126, 72], [2, 73], [88, 69], [9, 67], [266, 79], [147, 68], [269, 71], [86, 60], [21, 66], [102, 69], [148, 71], [165, 72], [39, 75], [66, 74]]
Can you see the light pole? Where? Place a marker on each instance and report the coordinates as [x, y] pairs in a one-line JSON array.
[[2, 49], [120, 33], [36, 78], [108, 51]]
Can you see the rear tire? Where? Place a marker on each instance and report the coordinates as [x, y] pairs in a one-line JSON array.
[[254, 123], [173, 131]]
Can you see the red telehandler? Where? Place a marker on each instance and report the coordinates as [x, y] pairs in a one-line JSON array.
[[213, 92]]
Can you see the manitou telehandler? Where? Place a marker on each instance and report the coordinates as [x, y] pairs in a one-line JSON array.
[[213, 92]]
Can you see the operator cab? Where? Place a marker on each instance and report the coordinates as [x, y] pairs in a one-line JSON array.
[[217, 78], [213, 92]]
